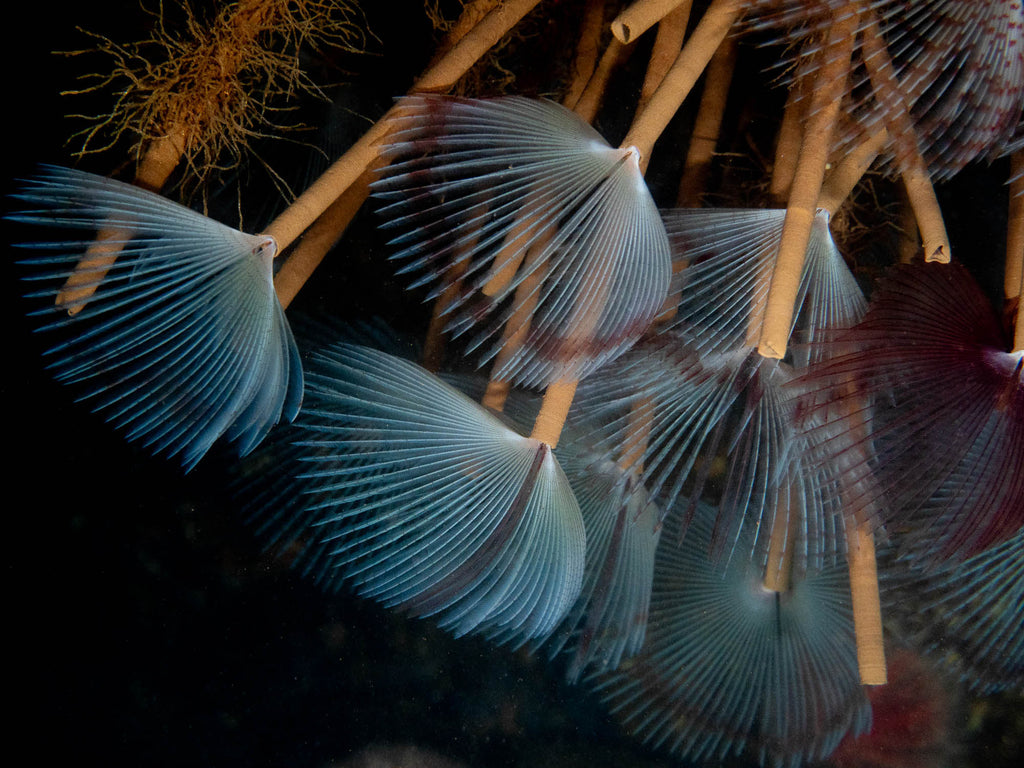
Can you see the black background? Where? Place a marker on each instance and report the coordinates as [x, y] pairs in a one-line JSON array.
[[144, 624]]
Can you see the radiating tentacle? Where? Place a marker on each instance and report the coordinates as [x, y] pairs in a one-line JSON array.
[[960, 66], [622, 522], [184, 340], [731, 667], [945, 436], [473, 185], [969, 616], [431, 503], [714, 398]]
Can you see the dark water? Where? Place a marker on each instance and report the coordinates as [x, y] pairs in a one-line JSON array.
[[147, 628]]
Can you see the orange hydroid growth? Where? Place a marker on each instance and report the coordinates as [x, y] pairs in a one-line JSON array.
[[339, 178], [203, 93], [215, 82]]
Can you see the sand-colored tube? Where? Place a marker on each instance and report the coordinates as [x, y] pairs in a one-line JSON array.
[[308, 206], [1014, 272], [91, 269], [640, 16], [473, 12], [559, 394], [504, 269], [930, 224], [708, 125], [844, 177], [638, 432], [787, 143], [593, 95], [803, 199], [834, 191], [524, 303], [473, 45], [553, 411], [160, 159], [351, 165], [321, 237], [157, 164], [909, 237], [867, 609], [588, 45], [433, 340], [510, 257], [858, 521], [779, 564], [688, 66], [668, 42], [913, 169], [667, 45]]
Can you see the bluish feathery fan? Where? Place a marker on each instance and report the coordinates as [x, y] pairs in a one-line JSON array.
[[959, 68], [623, 526], [520, 204], [175, 334], [729, 666], [708, 392], [424, 500], [967, 616], [940, 401]]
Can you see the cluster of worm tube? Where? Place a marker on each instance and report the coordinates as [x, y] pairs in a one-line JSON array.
[[665, 342]]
